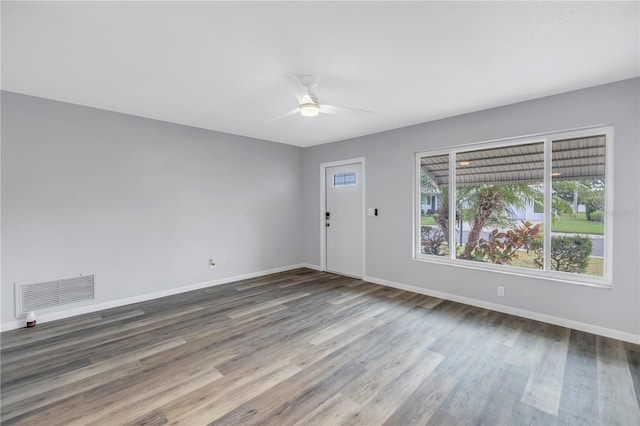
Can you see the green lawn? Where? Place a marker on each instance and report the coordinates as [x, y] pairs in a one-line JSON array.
[[596, 264], [427, 220], [525, 260], [577, 225]]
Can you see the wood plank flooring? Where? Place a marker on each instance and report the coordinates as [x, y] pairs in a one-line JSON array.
[[309, 348]]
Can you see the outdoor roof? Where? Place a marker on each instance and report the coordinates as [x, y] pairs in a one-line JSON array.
[[581, 158]]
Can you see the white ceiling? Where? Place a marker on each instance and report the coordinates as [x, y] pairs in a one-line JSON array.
[[221, 65]]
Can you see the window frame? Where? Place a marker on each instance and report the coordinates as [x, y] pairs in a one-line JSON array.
[[545, 273]]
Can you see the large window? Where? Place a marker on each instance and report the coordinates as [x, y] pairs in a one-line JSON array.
[[529, 206]]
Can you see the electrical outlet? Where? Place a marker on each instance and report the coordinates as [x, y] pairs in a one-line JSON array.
[[501, 290], [212, 264]]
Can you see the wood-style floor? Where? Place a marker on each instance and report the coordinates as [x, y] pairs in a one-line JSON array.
[[305, 347]]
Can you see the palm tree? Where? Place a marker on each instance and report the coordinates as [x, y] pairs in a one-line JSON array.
[[442, 214], [572, 192], [487, 203], [481, 205]]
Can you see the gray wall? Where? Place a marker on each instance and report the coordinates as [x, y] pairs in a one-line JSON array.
[[389, 187], [142, 203]]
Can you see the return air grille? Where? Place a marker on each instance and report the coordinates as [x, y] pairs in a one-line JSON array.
[[49, 294]]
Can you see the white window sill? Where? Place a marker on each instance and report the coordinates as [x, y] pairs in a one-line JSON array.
[[563, 277]]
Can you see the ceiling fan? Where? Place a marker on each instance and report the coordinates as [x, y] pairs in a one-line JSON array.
[[308, 102]]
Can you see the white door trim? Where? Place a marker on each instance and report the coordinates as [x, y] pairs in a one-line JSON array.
[[323, 209]]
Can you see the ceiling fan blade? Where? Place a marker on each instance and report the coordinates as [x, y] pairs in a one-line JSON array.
[[334, 109], [299, 89], [285, 115]]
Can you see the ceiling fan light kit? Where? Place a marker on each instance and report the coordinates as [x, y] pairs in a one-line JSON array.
[[309, 106], [309, 110]]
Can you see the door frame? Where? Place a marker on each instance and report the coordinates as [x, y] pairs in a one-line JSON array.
[[323, 209]]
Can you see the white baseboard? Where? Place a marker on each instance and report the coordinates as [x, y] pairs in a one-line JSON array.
[[20, 323], [310, 266], [550, 319]]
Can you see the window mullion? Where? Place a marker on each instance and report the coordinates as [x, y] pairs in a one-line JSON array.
[[548, 205], [417, 211], [452, 205]]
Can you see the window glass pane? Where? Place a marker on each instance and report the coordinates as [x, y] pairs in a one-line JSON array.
[[342, 179], [578, 182], [434, 205], [500, 204], [350, 178]]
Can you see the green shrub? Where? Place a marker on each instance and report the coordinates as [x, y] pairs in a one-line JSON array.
[[502, 247], [592, 206], [597, 216], [432, 239], [568, 253]]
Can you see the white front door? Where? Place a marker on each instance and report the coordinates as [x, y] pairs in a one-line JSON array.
[[343, 219]]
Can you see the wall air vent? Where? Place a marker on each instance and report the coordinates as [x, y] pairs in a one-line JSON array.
[[37, 296]]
